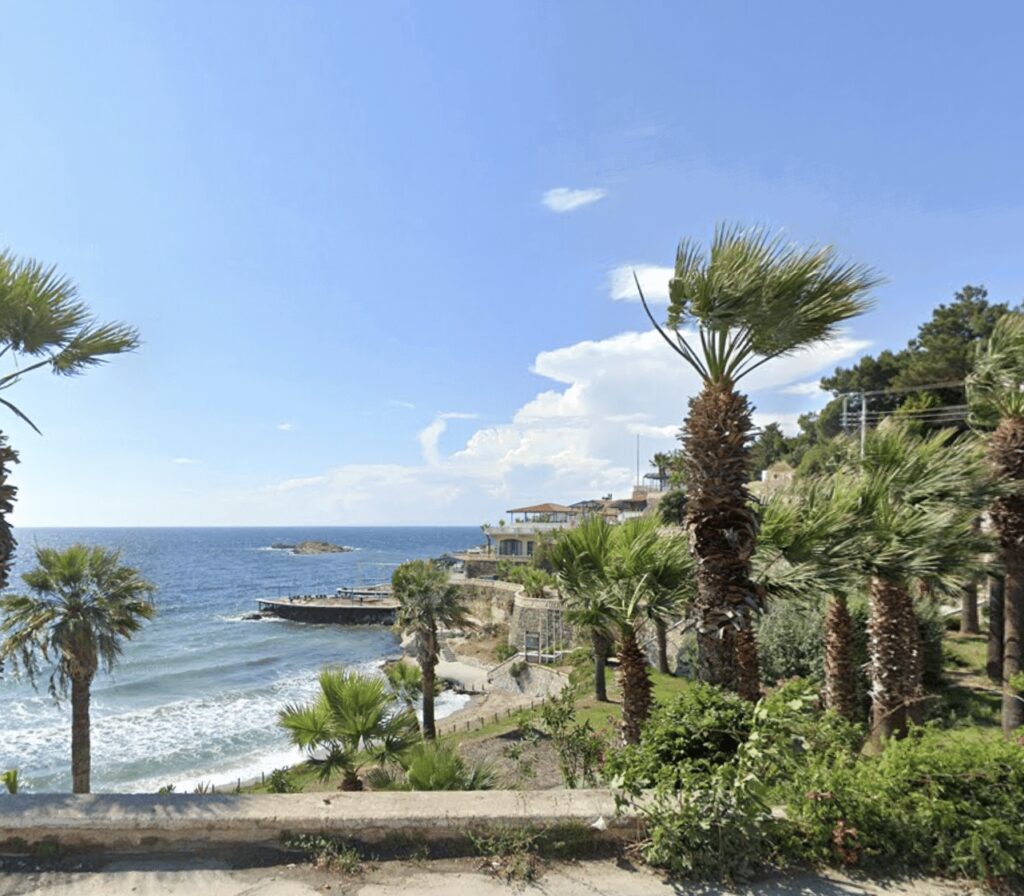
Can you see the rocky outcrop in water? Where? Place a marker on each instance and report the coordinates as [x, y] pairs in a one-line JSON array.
[[311, 547]]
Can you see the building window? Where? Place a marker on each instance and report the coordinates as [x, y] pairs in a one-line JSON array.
[[510, 547], [529, 549]]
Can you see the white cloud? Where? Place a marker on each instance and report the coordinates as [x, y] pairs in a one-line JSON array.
[[286, 427], [395, 403], [811, 387], [184, 461], [574, 440], [562, 199], [653, 280], [430, 435]]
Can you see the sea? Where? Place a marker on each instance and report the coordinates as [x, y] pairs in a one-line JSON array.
[[196, 694]]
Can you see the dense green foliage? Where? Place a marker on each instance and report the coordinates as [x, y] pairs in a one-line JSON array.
[[797, 791], [696, 732], [929, 803], [790, 642]]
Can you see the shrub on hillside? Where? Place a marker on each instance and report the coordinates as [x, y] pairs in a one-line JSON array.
[[700, 728], [790, 642], [930, 803]]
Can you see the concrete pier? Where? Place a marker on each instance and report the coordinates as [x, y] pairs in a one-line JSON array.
[[351, 606]]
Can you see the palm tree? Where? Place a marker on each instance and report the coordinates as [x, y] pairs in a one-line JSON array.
[[919, 498], [995, 393], [428, 602], [352, 723], [43, 323], [579, 557], [83, 604], [751, 299], [671, 580], [807, 547]]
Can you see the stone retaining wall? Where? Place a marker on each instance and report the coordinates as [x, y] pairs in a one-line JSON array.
[[186, 822]]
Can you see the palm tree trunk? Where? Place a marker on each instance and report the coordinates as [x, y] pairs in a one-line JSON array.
[[636, 687], [600, 645], [994, 659], [913, 654], [81, 749], [840, 690], [429, 732], [661, 636], [1006, 449], [887, 644], [722, 526], [969, 624], [1013, 622], [8, 492], [747, 666]]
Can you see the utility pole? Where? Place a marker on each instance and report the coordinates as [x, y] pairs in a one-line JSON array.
[[846, 416], [863, 421]]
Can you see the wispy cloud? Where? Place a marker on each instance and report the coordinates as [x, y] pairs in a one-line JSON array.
[[811, 387], [563, 199], [397, 403], [286, 427], [185, 461], [653, 280]]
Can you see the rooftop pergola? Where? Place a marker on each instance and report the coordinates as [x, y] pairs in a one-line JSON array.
[[542, 513]]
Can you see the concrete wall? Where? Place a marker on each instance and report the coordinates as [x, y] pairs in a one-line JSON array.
[[488, 601], [533, 680], [534, 614], [188, 822]]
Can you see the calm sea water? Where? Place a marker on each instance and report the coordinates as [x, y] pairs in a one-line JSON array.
[[196, 694]]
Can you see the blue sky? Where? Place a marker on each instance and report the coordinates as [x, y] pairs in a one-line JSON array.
[[329, 222]]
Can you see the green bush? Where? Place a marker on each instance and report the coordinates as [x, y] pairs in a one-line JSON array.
[[504, 651], [791, 642], [701, 728], [279, 781], [930, 803], [798, 791]]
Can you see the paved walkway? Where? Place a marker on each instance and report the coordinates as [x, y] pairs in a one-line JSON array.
[[468, 676], [155, 878]]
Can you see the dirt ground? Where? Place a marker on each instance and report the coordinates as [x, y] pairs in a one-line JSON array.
[[518, 764], [185, 876]]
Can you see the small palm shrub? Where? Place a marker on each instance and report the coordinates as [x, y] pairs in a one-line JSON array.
[[351, 724], [11, 780], [432, 765]]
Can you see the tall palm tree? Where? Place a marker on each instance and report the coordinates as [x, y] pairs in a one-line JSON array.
[[81, 607], [43, 323], [752, 298], [351, 723], [428, 602], [995, 393], [579, 557]]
